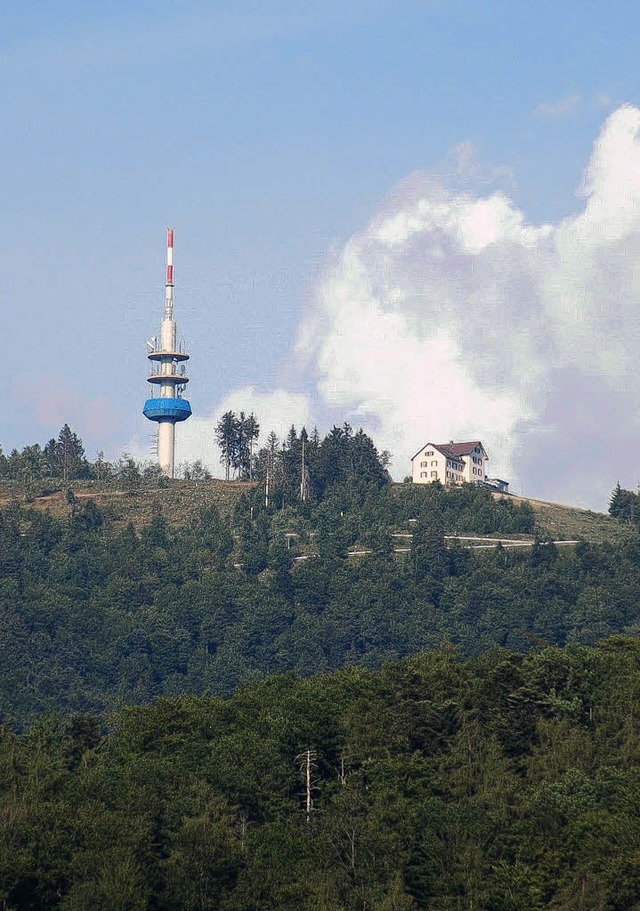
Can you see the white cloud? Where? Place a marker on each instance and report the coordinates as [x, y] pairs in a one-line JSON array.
[[570, 103], [451, 316], [560, 108], [601, 101]]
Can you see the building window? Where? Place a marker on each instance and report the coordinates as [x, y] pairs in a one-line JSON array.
[[424, 464], [434, 474], [435, 462], [423, 474], [429, 453]]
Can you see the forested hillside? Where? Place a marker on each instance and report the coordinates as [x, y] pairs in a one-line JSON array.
[[308, 692], [503, 783], [96, 614]]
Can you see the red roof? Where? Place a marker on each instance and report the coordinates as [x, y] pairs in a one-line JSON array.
[[455, 450], [458, 450]]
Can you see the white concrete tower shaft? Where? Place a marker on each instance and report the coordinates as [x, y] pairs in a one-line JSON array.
[[167, 447], [168, 373], [167, 429]]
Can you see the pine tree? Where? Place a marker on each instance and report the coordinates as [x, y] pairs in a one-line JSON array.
[[247, 430], [69, 455], [268, 465], [236, 435], [305, 480], [50, 456], [624, 504], [226, 438], [252, 432]]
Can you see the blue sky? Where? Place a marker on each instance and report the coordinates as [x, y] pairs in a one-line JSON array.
[[268, 134]]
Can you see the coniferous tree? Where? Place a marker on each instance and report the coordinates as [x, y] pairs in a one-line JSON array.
[[236, 436], [266, 467], [69, 455], [50, 455], [624, 504], [226, 438], [101, 469], [33, 464], [305, 477], [247, 431], [129, 472]]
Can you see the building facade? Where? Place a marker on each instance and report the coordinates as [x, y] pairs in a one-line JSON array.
[[450, 463]]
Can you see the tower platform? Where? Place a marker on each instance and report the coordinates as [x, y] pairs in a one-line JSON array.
[[174, 355], [167, 409], [176, 378]]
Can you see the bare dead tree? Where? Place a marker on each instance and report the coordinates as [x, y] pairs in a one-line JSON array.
[[304, 473], [307, 763]]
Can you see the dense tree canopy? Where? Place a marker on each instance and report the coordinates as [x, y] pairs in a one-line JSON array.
[[506, 783], [95, 614], [481, 767], [303, 467]]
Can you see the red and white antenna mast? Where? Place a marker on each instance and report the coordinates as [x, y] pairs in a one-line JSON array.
[[168, 294], [167, 406]]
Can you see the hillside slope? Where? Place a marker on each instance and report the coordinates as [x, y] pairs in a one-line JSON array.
[[181, 500], [557, 520], [101, 607]]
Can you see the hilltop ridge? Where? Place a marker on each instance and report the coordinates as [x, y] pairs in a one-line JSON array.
[[180, 500]]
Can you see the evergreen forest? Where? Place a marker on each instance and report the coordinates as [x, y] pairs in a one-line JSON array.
[[507, 782], [313, 696]]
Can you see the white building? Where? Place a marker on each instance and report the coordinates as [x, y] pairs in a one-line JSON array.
[[450, 463]]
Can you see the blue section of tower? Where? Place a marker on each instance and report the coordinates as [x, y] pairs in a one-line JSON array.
[[167, 410]]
